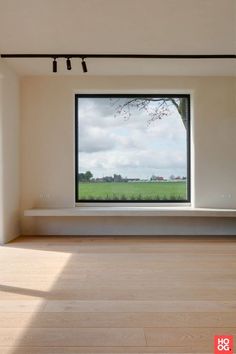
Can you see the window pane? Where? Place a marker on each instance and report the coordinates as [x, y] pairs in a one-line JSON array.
[[132, 148]]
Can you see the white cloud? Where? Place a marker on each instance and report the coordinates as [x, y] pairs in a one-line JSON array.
[[138, 163], [94, 139]]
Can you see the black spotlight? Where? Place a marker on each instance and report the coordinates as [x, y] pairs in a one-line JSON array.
[[68, 64], [54, 66], [84, 66]]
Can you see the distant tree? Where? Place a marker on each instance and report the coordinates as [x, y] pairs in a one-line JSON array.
[[81, 177], [88, 175], [85, 177], [117, 178], [160, 111]]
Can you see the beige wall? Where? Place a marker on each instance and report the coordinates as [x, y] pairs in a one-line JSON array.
[[9, 154], [48, 151]]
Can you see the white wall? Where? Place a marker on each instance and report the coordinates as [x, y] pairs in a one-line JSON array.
[[9, 155], [48, 152]]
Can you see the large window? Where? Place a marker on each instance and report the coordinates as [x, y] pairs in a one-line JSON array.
[[133, 148]]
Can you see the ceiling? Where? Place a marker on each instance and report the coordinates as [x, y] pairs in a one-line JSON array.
[[120, 26]]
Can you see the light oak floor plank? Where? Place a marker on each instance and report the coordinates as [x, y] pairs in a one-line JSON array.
[[72, 337], [139, 306], [198, 338], [101, 350], [118, 320]]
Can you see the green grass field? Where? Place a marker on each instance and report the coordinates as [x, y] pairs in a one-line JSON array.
[[132, 191]]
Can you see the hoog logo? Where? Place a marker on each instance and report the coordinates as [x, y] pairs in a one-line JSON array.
[[223, 344]]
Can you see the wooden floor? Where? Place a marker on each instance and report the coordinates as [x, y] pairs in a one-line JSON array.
[[68, 295]]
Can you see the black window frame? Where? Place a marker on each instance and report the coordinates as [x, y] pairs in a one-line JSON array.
[[133, 95]]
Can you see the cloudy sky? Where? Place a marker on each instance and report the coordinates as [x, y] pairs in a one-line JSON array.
[[111, 144]]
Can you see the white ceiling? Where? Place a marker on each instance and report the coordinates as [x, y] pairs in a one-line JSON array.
[[120, 26]]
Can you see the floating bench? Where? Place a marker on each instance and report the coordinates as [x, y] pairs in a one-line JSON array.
[[133, 211]]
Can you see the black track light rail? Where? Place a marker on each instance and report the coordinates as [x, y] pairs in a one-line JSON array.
[[123, 56], [68, 57]]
